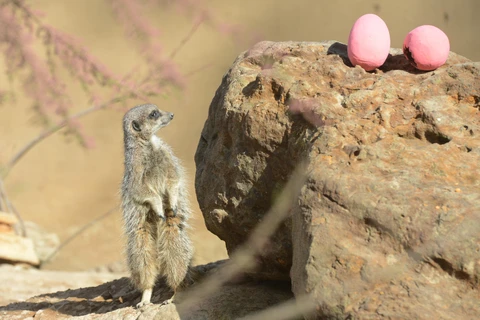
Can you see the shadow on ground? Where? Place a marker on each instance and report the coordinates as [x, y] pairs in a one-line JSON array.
[[117, 299]]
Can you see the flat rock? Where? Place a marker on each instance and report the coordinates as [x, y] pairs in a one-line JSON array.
[[7, 218], [15, 249]]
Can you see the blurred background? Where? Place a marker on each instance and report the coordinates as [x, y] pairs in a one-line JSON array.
[[61, 185]]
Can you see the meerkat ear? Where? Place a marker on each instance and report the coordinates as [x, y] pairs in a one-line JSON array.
[[136, 126]]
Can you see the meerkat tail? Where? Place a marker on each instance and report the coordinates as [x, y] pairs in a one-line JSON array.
[[177, 252]]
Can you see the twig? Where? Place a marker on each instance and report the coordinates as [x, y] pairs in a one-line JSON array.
[[48, 132], [77, 51], [201, 68], [11, 208], [243, 258], [186, 39], [76, 234]]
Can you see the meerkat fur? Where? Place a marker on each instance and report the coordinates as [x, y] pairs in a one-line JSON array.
[[154, 203]]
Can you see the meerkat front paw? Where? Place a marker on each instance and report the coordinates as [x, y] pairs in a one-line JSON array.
[[171, 212], [142, 304], [168, 301], [157, 206], [146, 297]]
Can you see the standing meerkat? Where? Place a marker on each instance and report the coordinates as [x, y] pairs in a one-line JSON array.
[[154, 203]]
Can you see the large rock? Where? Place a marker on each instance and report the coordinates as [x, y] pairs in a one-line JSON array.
[[387, 225], [245, 155]]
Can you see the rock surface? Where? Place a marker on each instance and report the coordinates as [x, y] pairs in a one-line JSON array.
[[387, 225], [33, 249], [21, 282], [116, 300], [15, 249]]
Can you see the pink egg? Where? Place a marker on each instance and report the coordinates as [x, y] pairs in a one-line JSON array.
[[369, 42], [426, 47]]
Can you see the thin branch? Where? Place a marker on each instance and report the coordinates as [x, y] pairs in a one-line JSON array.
[[48, 132], [11, 208], [201, 68], [186, 39], [76, 234], [1, 201]]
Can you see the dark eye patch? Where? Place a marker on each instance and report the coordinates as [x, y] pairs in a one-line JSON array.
[[154, 114], [136, 126]]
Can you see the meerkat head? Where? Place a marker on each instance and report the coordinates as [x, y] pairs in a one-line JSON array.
[[144, 120]]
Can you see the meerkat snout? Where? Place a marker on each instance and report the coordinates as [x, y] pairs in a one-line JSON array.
[[166, 117], [144, 122]]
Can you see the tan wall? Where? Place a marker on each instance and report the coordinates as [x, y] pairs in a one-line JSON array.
[[61, 186]]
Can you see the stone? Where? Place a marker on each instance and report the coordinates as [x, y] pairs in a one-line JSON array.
[[7, 223], [7, 218], [34, 249], [15, 249], [387, 224]]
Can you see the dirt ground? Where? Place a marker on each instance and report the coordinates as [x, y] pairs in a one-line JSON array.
[[62, 186]]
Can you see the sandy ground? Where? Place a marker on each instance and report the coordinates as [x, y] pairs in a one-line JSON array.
[[62, 186]]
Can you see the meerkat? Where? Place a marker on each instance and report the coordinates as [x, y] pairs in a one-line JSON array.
[[154, 203]]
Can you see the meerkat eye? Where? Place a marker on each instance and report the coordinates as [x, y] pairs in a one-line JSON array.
[[136, 126], [154, 114]]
